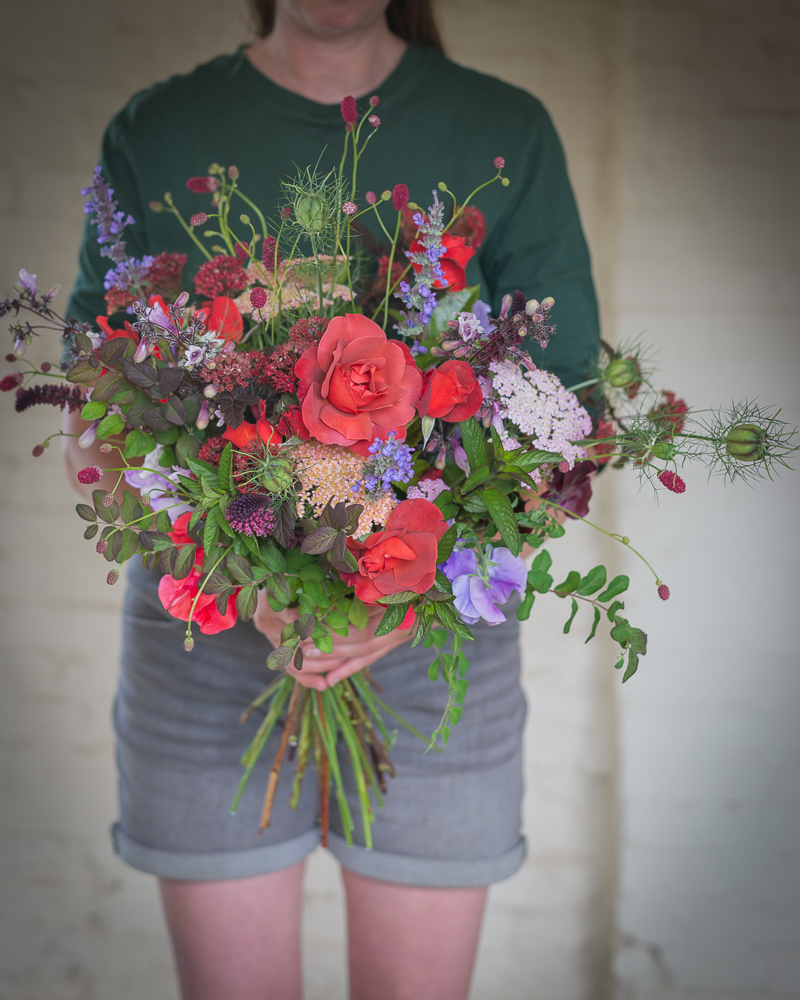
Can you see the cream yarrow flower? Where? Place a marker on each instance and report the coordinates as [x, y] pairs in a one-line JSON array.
[[329, 472]]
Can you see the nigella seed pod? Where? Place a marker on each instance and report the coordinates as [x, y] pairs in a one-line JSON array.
[[746, 442], [664, 450], [311, 213], [278, 476], [622, 372]]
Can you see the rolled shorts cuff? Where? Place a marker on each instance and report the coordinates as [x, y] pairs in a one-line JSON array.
[[218, 865], [434, 873]]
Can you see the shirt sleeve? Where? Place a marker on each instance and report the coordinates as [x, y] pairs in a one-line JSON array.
[[538, 247], [87, 300]]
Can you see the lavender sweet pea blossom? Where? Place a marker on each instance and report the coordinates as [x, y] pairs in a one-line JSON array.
[[155, 484], [483, 580]]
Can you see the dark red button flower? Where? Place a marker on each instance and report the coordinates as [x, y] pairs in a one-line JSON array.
[[403, 557], [356, 385], [454, 261], [202, 185], [450, 392]]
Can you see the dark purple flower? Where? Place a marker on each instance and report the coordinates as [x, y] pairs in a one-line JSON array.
[[571, 490], [480, 589], [250, 514]]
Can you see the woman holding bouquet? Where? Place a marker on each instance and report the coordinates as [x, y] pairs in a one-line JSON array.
[[451, 825]]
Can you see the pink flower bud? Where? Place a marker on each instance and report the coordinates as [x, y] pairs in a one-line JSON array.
[[286, 211], [241, 251], [9, 382], [108, 499], [141, 351], [499, 163], [233, 172], [210, 391], [188, 644], [374, 121], [563, 466], [112, 577], [182, 299], [400, 197], [349, 110], [202, 417], [37, 450], [371, 197], [199, 219], [663, 591], [349, 208], [202, 185], [45, 366], [672, 481], [374, 101], [101, 546], [258, 298], [89, 436], [91, 474], [105, 448]]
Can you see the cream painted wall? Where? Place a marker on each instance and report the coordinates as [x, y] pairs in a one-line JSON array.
[[680, 121]]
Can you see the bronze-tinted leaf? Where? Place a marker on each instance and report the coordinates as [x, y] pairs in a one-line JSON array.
[[113, 351], [86, 512], [169, 379], [320, 540], [174, 412], [141, 373]]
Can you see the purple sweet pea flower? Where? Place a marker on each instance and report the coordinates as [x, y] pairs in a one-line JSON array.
[[478, 594]]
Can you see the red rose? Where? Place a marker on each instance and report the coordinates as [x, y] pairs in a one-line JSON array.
[[177, 596], [403, 557], [356, 385], [453, 262], [291, 423], [451, 392]]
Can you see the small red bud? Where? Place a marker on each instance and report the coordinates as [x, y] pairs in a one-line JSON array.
[[400, 197], [46, 366], [499, 163], [108, 499], [374, 101], [112, 577], [349, 110], [563, 466], [101, 546], [37, 450], [258, 298], [199, 219], [663, 591]]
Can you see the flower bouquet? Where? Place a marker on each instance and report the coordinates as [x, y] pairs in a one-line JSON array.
[[344, 429]]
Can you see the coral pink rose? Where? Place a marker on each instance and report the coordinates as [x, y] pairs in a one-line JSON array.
[[177, 596], [356, 385], [451, 392], [403, 557]]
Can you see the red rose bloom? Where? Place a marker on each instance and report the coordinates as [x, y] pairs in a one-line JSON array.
[[453, 262], [451, 392], [403, 557], [356, 385], [291, 423]]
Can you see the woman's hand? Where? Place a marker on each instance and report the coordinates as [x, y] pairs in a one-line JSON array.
[[351, 653]]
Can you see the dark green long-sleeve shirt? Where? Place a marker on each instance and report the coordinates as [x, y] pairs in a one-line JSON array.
[[439, 121]]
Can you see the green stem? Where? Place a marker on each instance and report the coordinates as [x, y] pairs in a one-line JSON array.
[[189, 229], [256, 209]]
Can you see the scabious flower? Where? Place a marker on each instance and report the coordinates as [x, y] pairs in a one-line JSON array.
[[91, 474], [483, 580], [538, 404], [251, 514], [390, 462], [52, 395], [220, 276]]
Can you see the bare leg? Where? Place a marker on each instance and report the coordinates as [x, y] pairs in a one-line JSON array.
[[410, 943], [237, 938]]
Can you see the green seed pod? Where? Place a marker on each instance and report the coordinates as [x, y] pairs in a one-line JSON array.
[[622, 372], [745, 442], [664, 450], [278, 476], [311, 212]]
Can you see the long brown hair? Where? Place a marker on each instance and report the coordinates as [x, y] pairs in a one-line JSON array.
[[411, 20]]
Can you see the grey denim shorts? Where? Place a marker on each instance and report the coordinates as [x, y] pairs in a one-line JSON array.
[[450, 819]]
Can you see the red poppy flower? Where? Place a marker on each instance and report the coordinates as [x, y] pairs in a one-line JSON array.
[[454, 261], [243, 435]]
